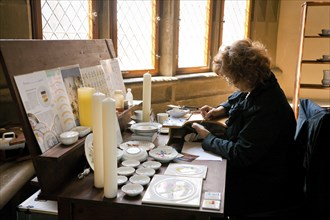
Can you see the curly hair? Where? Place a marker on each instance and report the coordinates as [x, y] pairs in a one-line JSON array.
[[244, 60]]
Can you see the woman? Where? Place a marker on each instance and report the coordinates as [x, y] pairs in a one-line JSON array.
[[259, 141]]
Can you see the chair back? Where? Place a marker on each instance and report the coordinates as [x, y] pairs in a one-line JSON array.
[[313, 134]]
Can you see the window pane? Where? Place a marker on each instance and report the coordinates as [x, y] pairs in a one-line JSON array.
[[63, 19], [235, 15], [135, 34], [193, 33]]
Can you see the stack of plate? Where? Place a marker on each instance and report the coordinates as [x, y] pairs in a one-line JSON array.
[[145, 128]]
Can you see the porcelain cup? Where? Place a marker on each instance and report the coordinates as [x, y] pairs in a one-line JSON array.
[[326, 31], [161, 117], [325, 57], [138, 115], [326, 78]]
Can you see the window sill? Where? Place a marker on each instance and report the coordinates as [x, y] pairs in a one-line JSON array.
[[172, 78]]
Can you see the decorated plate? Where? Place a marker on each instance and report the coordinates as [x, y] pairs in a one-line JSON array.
[[163, 154], [145, 127], [146, 145]]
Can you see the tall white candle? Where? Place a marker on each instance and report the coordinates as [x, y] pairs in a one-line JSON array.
[[146, 105], [110, 147], [98, 139]]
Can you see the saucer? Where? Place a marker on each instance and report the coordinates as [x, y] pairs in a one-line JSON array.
[[324, 35], [130, 163], [125, 171], [323, 60], [132, 189], [121, 180], [145, 171], [140, 179], [152, 164]]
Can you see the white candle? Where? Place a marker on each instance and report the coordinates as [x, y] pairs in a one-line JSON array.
[[109, 147], [146, 105], [98, 139]]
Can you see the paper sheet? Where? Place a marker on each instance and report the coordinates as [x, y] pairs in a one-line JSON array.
[[195, 148]]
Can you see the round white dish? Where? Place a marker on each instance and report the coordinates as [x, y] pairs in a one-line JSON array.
[[140, 179], [163, 154], [132, 189], [152, 164], [121, 180], [125, 171], [177, 112], [146, 145], [145, 171], [130, 163], [145, 127], [69, 137], [89, 151], [135, 153]]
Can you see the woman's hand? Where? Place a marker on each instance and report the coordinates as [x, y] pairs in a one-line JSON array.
[[202, 132], [209, 112]]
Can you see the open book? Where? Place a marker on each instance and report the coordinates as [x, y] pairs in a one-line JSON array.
[[190, 118]]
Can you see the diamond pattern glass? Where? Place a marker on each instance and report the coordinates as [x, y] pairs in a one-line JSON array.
[[193, 33], [235, 19], [64, 19], [136, 34]]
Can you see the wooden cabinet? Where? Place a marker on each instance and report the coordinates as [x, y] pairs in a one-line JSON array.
[[304, 37]]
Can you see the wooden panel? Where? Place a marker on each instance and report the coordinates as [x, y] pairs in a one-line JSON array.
[[18, 57]]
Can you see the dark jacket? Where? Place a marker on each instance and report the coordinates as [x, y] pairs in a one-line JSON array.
[[312, 134], [260, 150]]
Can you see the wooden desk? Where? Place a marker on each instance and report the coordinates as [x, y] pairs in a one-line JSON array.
[[81, 200]]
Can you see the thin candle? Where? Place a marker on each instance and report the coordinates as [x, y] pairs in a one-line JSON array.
[[98, 139], [109, 147], [146, 105]]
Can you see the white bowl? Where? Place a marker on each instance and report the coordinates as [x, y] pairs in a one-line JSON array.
[[145, 171], [132, 189], [130, 163], [69, 137], [140, 179], [177, 113], [135, 153], [163, 154], [125, 171], [121, 180], [152, 164], [82, 130]]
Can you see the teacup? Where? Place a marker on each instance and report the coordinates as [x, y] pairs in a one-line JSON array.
[[326, 78], [138, 115], [161, 117], [326, 31], [326, 57]]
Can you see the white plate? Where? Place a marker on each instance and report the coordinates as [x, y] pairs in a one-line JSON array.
[[174, 190], [140, 179], [146, 145], [89, 151], [121, 180], [152, 164], [190, 170], [145, 127], [145, 171], [177, 113], [163, 154], [125, 171], [130, 163], [132, 189]]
